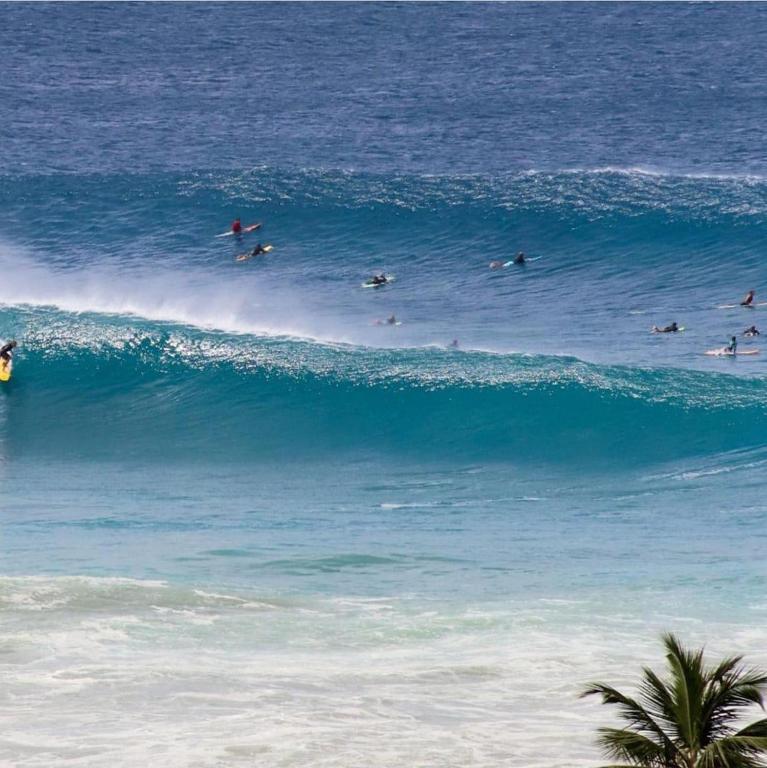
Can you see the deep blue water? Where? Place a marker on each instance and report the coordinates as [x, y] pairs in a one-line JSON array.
[[390, 87], [273, 529]]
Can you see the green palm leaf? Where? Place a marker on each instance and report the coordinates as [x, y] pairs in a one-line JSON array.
[[690, 718]]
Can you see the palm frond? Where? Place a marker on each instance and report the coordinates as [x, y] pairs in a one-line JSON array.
[[687, 688], [755, 730], [630, 709], [732, 688], [659, 700], [734, 752], [689, 718], [633, 747]]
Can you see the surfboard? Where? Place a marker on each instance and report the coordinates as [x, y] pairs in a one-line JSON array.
[[745, 306], [6, 369], [369, 284], [246, 256], [679, 328], [384, 322], [724, 352], [509, 263], [243, 231]]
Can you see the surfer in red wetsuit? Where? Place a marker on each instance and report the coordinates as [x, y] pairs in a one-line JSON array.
[[236, 226]]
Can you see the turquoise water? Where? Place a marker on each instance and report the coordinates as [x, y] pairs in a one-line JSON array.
[[278, 533]]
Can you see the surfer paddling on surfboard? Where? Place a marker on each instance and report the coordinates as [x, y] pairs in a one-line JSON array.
[[237, 230], [520, 260], [259, 250], [752, 331], [673, 328]]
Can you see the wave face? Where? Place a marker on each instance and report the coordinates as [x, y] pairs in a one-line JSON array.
[[180, 394], [148, 339]]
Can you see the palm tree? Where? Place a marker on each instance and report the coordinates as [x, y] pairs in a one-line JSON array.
[[690, 720]]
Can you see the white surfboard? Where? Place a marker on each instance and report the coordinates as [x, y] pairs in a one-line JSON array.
[[724, 352], [243, 231]]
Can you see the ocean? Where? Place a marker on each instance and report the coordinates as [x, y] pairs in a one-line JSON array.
[[244, 520]]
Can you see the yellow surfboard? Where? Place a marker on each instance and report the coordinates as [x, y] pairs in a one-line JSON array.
[[6, 368]]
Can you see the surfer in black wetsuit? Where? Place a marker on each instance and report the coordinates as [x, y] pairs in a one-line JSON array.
[[752, 331], [519, 258], [748, 299], [379, 279], [258, 250], [673, 328], [6, 351]]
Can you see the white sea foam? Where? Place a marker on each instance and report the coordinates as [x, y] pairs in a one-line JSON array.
[[379, 681], [188, 296]]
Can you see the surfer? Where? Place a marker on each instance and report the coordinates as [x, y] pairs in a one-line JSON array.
[[6, 355], [673, 328], [379, 279], [748, 299], [454, 344], [732, 347], [258, 250], [519, 258], [752, 331], [6, 352], [236, 226]]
